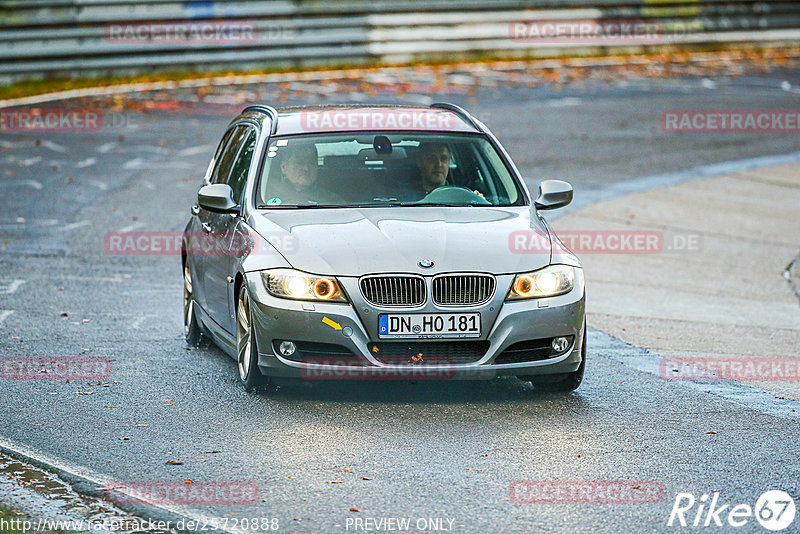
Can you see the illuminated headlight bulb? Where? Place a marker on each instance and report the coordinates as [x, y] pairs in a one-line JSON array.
[[547, 283], [296, 286]]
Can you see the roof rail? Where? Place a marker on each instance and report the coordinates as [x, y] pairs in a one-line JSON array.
[[458, 110], [269, 110]]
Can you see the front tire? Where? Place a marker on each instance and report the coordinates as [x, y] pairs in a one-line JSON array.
[[246, 350], [192, 330]]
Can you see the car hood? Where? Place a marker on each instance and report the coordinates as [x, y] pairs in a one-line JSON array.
[[358, 241]]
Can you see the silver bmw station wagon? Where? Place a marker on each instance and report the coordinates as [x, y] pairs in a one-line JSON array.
[[377, 242]]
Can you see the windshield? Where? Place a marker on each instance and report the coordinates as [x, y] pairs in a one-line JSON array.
[[377, 169]]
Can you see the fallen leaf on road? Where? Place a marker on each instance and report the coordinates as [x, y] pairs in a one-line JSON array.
[[346, 470], [124, 439], [710, 432], [170, 462], [365, 478], [334, 482], [354, 510]]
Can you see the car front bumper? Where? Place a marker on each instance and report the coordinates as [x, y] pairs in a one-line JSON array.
[[352, 329]]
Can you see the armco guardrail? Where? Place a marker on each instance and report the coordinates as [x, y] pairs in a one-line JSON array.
[[110, 37]]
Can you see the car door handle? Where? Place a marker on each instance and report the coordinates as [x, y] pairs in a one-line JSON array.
[[195, 210], [207, 228]]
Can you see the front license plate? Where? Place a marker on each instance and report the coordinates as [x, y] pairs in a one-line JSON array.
[[429, 325]]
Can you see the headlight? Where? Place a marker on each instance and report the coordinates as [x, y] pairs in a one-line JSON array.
[[548, 282], [290, 284]]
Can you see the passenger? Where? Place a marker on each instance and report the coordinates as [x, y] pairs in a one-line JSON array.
[[298, 182]]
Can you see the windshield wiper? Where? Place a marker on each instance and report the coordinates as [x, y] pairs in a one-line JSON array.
[[298, 206], [366, 205], [444, 204]]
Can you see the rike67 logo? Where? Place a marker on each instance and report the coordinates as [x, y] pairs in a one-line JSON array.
[[774, 510]]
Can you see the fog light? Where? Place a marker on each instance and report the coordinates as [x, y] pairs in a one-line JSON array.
[[560, 344], [287, 348]]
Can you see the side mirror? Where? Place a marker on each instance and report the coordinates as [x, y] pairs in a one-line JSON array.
[[553, 194], [217, 198]]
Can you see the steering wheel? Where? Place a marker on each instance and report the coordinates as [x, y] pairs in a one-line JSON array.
[[456, 194]]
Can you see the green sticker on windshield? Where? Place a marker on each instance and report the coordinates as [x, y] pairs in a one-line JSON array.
[[274, 201]]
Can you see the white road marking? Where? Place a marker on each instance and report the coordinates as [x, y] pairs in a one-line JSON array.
[[54, 146], [98, 480], [191, 151], [31, 183], [11, 287], [107, 147], [130, 227], [115, 279], [74, 225], [98, 184], [4, 315], [30, 161], [153, 149], [787, 86], [133, 164], [88, 162], [141, 164], [566, 102], [36, 222]]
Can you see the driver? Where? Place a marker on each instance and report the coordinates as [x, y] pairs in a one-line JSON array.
[[433, 162], [433, 167]]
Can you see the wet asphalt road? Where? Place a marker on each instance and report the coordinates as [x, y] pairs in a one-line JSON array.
[[429, 450]]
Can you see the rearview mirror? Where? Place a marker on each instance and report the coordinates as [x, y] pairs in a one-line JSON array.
[[553, 194], [217, 198]]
